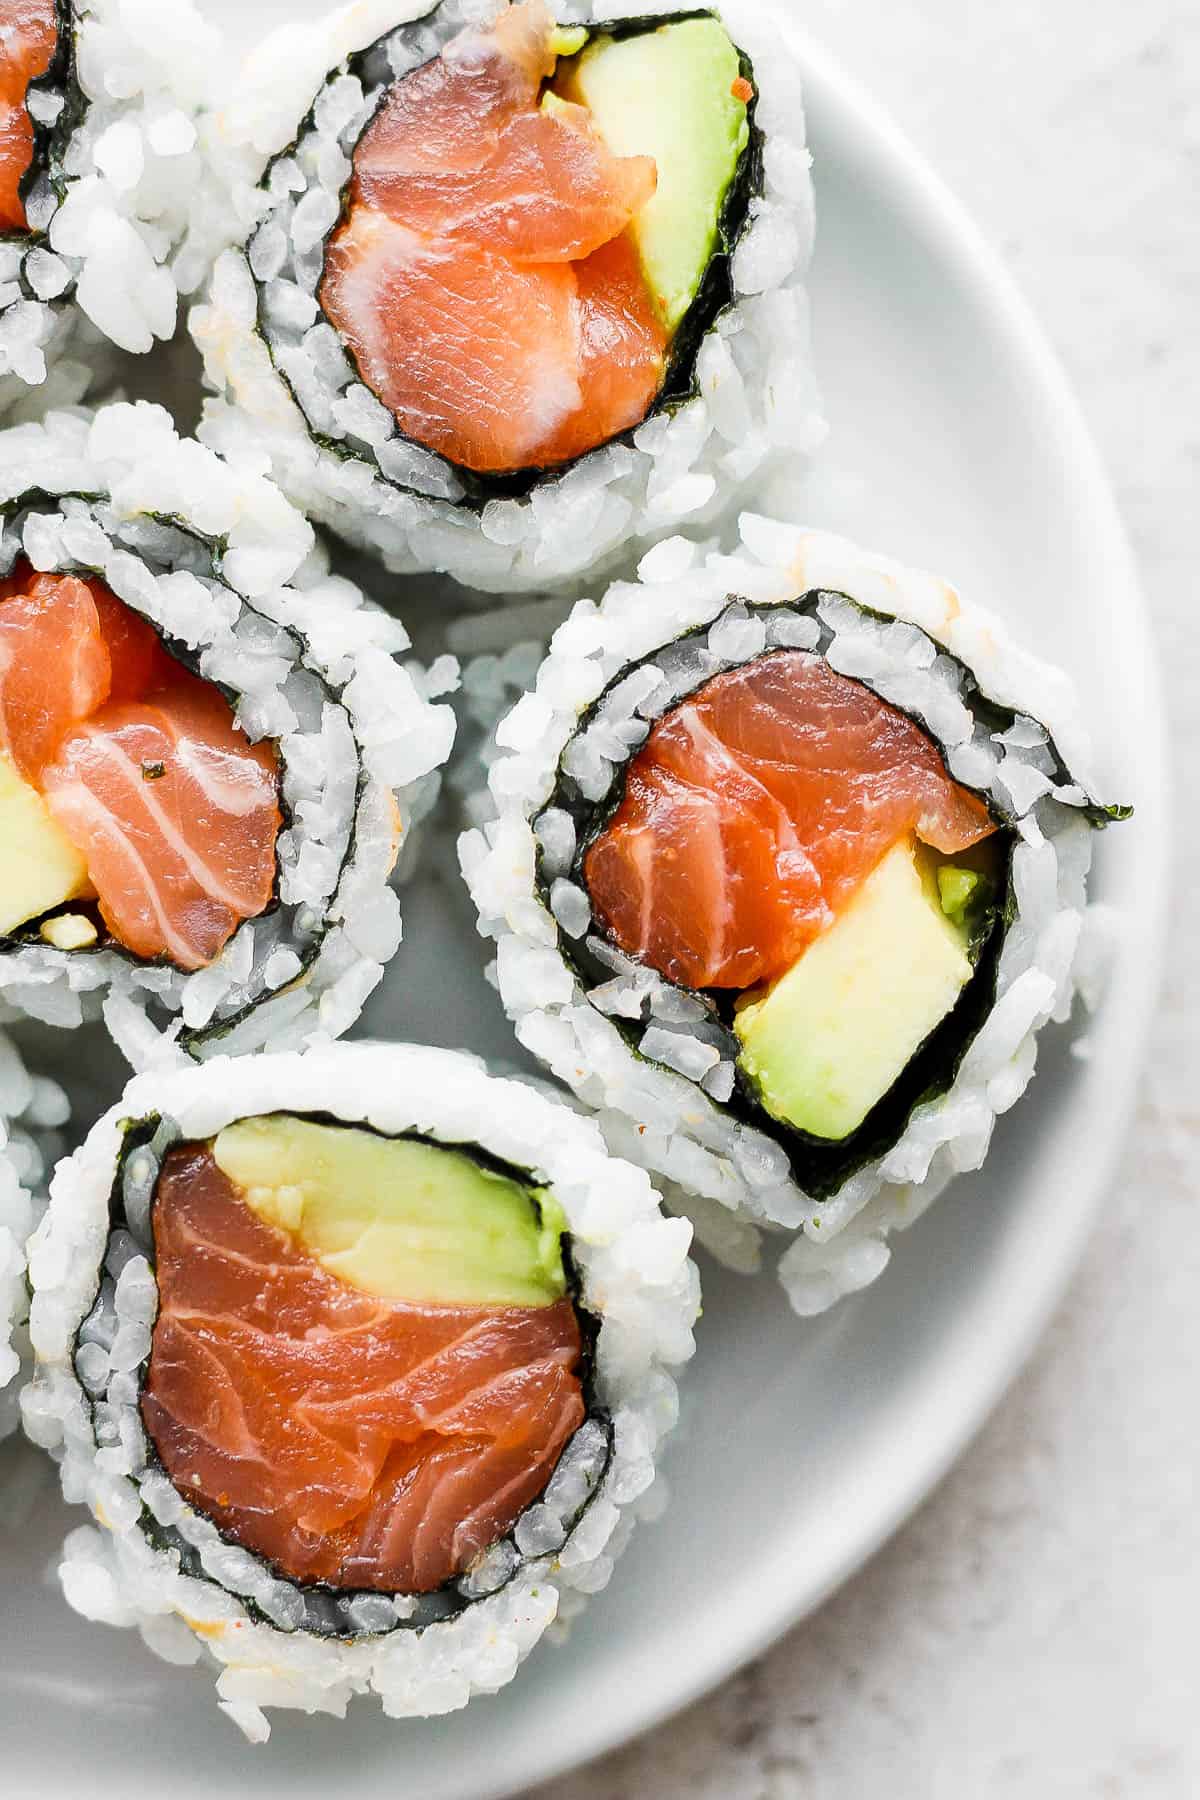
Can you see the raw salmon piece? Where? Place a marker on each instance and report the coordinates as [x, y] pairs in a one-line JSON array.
[[694, 865], [447, 115], [352, 1440], [67, 644], [177, 815], [28, 39], [622, 354], [521, 35], [140, 663], [489, 368], [55, 669], [505, 366], [484, 279], [755, 810], [551, 191]]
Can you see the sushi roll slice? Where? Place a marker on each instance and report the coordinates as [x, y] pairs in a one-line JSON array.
[[788, 872], [100, 171], [518, 286], [32, 1111], [209, 757], [361, 1359]]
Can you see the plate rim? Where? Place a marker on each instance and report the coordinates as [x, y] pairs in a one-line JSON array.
[[546, 1758], [962, 240]]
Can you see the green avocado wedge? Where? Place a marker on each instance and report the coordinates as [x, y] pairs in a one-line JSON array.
[[40, 866], [826, 1042], [401, 1218], [677, 94]]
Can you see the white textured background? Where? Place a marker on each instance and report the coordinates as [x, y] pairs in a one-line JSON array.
[[1034, 1631]]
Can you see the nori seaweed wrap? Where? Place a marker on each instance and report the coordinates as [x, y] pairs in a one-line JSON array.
[[788, 871]]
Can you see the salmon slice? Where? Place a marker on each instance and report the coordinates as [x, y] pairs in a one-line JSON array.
[[622, 350], [142, 766], [506, 366], [66, 646], [140, 663], [447, 115], [55, 668], [550, 191], [177, 815], [490, 369], [352, 1440], [755, 810], [28, 40], [483, 278]]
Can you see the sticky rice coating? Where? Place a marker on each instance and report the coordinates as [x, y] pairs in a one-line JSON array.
[[233, 586], [153, 1562], [33, 1110], [653, 1060], [103, 244]]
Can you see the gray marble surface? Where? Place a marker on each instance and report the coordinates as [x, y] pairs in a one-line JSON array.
[[1032, 1632]]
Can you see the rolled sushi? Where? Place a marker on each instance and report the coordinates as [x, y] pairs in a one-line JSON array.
[[32, 1111], [518, 286], [361, 1360], [209, 756], [787, 875], [100, 169]]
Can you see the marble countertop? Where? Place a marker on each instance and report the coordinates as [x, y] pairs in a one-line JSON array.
[[1032, 1631]]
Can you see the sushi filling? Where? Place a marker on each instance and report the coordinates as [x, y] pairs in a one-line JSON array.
[[362, 1365], [28, 50], [766, 875], [787, 839], [133, 808], [533, 234]]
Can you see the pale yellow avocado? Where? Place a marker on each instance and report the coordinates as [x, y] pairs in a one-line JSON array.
[[669, 94], [829, 1038], [39, 866], [398, 1217], [69, 931]]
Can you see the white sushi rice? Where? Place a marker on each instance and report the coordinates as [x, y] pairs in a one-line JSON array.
[[313, 667], [756, 401], [635, 1277], [491, 683], [659, 1098], [32, 1111], [110, 210]]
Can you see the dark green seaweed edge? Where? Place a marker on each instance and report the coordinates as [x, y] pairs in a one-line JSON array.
[[821, 1167], [443, 1603], [27, 936], [713, 298]]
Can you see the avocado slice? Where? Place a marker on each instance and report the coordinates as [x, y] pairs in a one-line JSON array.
[[827, 1040], [398, 1217], [41, 866], [69, 931], [677, 94], [957, 890]]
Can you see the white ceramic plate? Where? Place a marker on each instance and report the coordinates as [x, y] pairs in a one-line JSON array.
[[802, 1445]]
